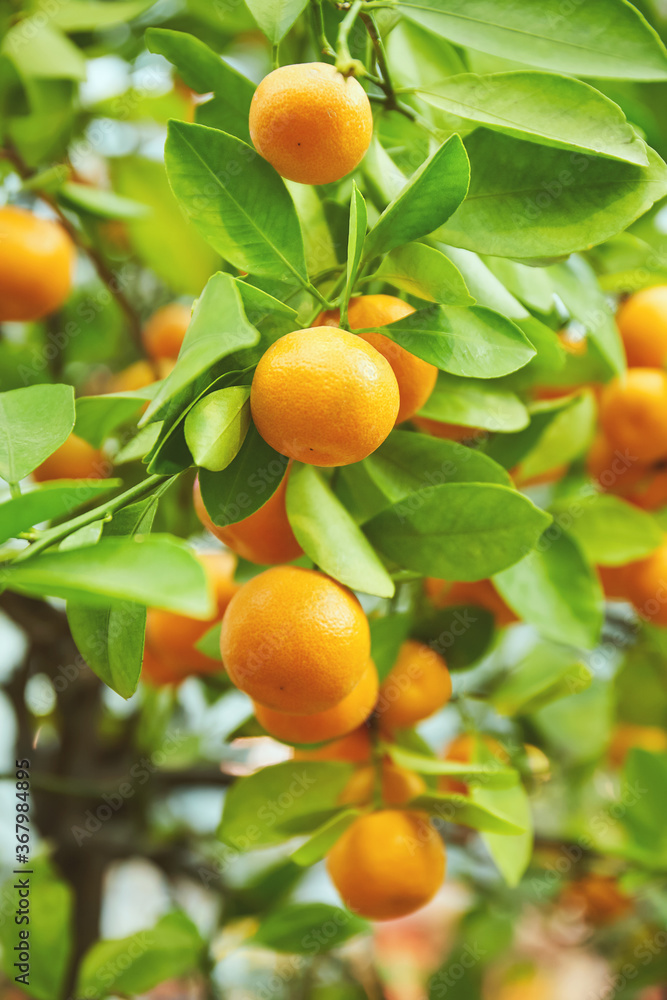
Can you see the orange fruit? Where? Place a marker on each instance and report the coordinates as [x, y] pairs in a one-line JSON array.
[[311, 123], [480, 592], [265, 537], [398, 785], [163, 333], [295, 640], [614, 470], [450, 432], [170, 654], [138, 375], [331, 724], [37, 259], [642, 322], [416, 378], [646, 582], [597, 898], [626, 736], [615, 582], [633, 413], [353, 748], [387, 864], [417, 686], [74, 459], [651, 493], [324, 396]]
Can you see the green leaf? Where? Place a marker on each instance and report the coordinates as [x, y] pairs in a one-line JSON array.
[[541, 107], [48, 502], [246, 484], [321, 842], [528, 201], [244, 211], [154, 570], [577, 284], [100, 203], [330, 537], [511, 854], [458, 531], [461, 633], [474, 342], [276, 17], [204, 71], [97, 417], [610, 531], [456, 808], [90, 15], [282, 801], [425, 272], [209, 644], [140, 445], [555, 589], [50, 930], [216, 426], [428, 199], [474, 403], [387, 636], [546, 674], [407, 462], [356, 237], [111, 637], [135, 964], [487, 289], [510, 449], [218, 328], [39, 50], [491, 773], [604, 38], [578, 728], [34, 422], [564, 437], [531, 285], [301, 928], [643, 810], [89, 534]]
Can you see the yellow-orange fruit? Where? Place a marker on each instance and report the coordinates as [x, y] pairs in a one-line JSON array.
[[354, 748], [295, 640], [398, 785], [74, 459], [331, 724], [311, 123], [646, 582], [387, 864], [37, 259], [417, 686], [163, 333], [615, 582], [138, 375], [170, 654], [633, 414], [627, 736], [265, 537], [642, 322], [480, 592], [416, 378], [597, 898], [615, 471], [651, 492], [324, 396]]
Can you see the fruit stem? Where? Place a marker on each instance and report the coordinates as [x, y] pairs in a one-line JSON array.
[[276, 55], [345, 64], [318, 295], [15, 490], [319, 29]]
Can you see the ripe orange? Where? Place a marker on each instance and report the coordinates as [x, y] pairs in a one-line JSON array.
[[647, 585], [642, 322], [75, 459], [37, 259], [417, 686], [138, 375], [480, 592], [354, 748], [331, 724], [626, 736], [651, 493], [398, 785], [614, 470], [596, 898], [632, 412], [311, 123], [163, 333], [170, 653], [266, 537], [295, 640], [615, 582], [387, 864], [323, 396], [450, 432], [416, 378]]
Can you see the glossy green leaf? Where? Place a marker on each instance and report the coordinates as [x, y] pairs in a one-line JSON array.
[[154, 570], [604, 38], [557, 590], [216, 426], [577, 285], [89, 15], [321, 842], [387, 636], [135, 964], [140, 445], [54, 499], [462, 633], [455, 808], [427, 200], [308, 792], [297, 928], [491, 774], [247, 482], [356, 237], [529, 201], [330, 537], [244, 211], [564, 437], [276, 17], [458, 531], [610, 531], [99, 203], [38, 49], [545, 674], [645, 815], [97, 417], [475, 404], [425, 272], [34, 422], [511, 854], [474, 342], [541, 107]]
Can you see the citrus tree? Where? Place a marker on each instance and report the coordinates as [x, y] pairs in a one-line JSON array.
[[333, 429]]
